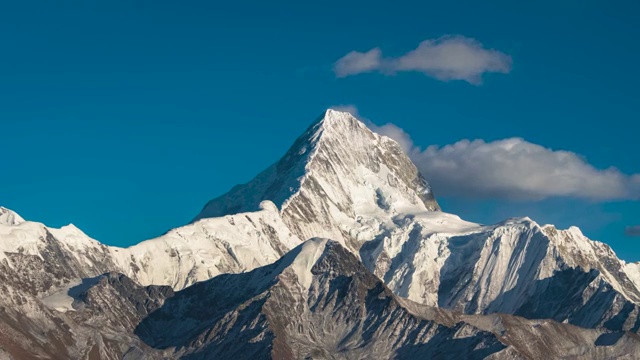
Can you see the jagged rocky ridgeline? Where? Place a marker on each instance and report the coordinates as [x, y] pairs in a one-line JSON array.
[[399, 277], [317, 301]]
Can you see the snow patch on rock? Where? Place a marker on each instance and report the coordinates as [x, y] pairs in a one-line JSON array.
[[303, 258]]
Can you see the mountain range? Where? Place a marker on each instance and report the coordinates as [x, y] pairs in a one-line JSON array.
[[339, 250]]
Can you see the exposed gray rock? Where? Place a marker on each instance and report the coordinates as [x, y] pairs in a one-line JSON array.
[[332, 170], [345, 312], [65, 295]]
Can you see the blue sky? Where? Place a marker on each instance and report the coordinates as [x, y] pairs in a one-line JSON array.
[[124, 118]]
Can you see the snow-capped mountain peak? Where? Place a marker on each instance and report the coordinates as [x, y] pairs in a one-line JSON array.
[[9, 217], [334, 123], [338, 180], [302, 258]]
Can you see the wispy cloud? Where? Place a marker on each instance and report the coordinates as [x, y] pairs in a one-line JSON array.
[[446, 58], [632, 230], [357, 62]]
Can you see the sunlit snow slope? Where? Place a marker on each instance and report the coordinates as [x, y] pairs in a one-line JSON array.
[[343, 182]]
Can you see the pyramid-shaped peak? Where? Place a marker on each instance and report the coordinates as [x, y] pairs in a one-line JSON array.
[[336, 118], [340, 125], [338, 170]]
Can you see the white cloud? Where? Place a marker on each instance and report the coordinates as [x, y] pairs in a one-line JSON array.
[[388, 130], [513, 169], [396, 133], [356, 62], [447, 58]]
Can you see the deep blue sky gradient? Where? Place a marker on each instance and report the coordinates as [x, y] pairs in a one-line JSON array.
[[125, 117]]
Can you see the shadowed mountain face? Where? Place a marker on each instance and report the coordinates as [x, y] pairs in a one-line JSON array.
[[318, 301], [515, 267], [402, 278]]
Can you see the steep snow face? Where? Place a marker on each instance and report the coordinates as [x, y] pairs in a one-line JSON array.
[[20, 238], [339, 180], [301, 259], [576, 250], [515, 267], [38, 260], [409, 256], [208, 247], [8, 217], [632, 270], [45, 260], [344, 312], [347, 313]]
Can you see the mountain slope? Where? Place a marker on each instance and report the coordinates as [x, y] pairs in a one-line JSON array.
[[42, 259], [343, 181], [515, 267], [8, 217], [38, 260], [338, 180], [334, 186], [316, 301], [209, 247], [319, 301], [98, 323]]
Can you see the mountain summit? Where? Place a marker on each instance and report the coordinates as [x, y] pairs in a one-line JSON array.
[[337, 173], [385, 274], [8, 217]]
